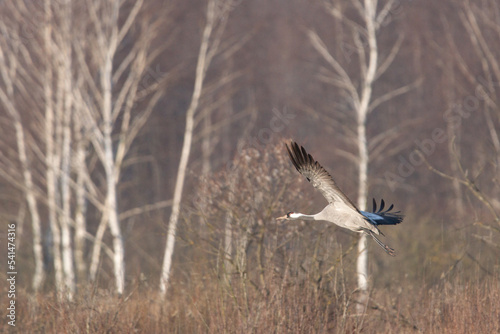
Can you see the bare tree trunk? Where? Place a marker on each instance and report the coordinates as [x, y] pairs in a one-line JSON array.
[[50, 160], [80, 209], [114, 226], [111, 182], [96, 249], [370, 8], [201, 67], [362, 260], [39, 274], [65, 218], [29, 190], [51, 187], [174, 216], [8, 73]]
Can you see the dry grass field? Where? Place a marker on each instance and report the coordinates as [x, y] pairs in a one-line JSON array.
[[310, 307]]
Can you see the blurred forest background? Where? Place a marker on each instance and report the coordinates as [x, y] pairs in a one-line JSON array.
[[97, 101]]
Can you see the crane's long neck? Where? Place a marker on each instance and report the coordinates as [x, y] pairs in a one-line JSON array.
[[301, 216]]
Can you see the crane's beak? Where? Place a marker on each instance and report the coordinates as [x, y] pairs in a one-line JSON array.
[[282, 218]]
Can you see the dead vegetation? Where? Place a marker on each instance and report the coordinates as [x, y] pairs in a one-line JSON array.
[[239, 271]]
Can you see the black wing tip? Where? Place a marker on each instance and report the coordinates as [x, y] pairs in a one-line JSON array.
[[299, 155], [294, 147], [292, 155], [301, 160]]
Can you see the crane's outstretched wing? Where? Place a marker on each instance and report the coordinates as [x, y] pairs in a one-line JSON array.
[[317, 175]]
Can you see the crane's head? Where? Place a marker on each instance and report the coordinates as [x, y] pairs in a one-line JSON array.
[[290, 216]]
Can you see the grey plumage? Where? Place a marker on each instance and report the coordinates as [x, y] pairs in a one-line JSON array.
[[340, 209]]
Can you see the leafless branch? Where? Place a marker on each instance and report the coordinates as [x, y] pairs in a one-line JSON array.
[[390, 58], [323, 51], [386, 10], [394, 93], [144, 209], [466, 181]]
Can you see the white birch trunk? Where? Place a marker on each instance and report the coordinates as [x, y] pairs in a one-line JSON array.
[[9, 73], [96, 249], [57, 165], [51, 189], [80, 210], [29, 190], [111, 182], [65, 217], [174, 216], [370, 7], [362, 260], [39, 273], [201, 68], [118, 248], [50, 159]]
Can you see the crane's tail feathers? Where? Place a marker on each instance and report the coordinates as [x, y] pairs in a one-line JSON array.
[[381, 217], [386, 248]]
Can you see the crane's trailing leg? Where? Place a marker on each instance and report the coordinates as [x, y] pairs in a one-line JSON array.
[[387, 249]]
